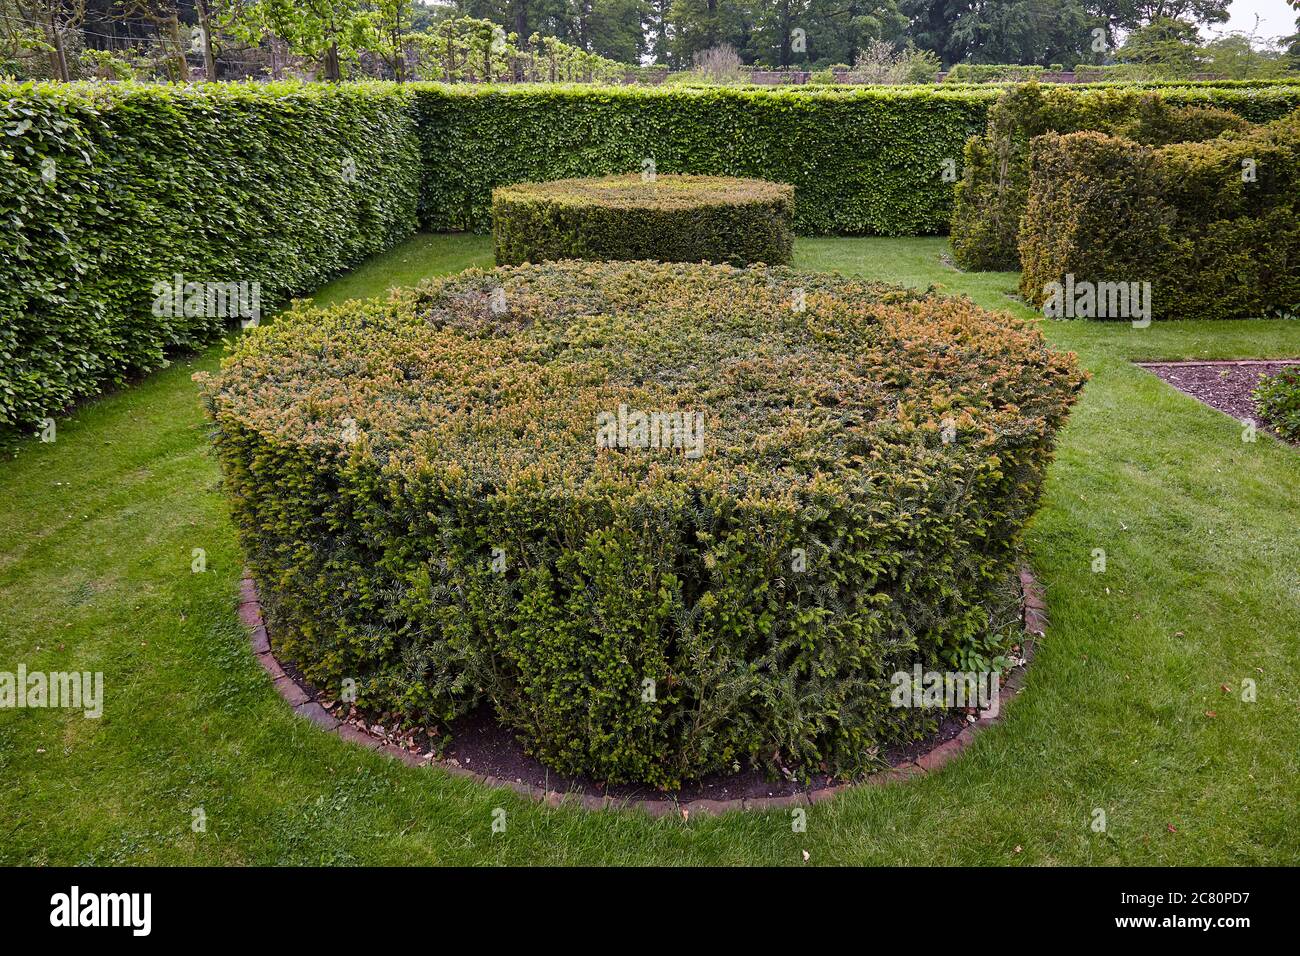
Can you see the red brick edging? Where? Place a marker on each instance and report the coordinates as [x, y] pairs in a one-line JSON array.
[[1213, 362], [303, 704]]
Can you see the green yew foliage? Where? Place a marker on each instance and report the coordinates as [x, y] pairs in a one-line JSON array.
[[991, 194], [419, 490]]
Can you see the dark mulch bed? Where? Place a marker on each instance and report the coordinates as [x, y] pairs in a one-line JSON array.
[[480, 744], [1226, 386]]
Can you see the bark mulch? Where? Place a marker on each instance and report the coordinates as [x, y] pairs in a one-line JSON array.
[[1226, 386]]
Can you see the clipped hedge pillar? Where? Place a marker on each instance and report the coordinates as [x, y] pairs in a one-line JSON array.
[[989, 200], [1212, 228], [716, 219]]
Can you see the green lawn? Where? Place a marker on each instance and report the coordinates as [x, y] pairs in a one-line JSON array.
[[1202, 589]]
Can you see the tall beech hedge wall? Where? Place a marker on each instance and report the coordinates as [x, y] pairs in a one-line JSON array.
[[232, 182], [865, 161], [107, 189]]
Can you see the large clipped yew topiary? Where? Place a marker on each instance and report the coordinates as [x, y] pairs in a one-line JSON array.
[[663, 519], [669, 218]]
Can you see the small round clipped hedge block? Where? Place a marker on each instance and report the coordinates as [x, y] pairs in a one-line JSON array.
[[669, 218], [664, 519]]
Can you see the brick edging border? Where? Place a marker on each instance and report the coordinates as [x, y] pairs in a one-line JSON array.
[[300, 698], [1216, 362]]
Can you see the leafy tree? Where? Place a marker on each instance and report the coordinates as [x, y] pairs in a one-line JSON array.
[[388, 24], [325, 31], [1169, 46], [43, 26], [616, 29], [165, 17], [1132, 14], [809, 32], [1238, 58], [703, 24], [1003, 31], [1293, 49]]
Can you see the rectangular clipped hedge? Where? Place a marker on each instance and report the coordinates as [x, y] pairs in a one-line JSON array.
[[990, 198], [1213, 226], [106, 190]]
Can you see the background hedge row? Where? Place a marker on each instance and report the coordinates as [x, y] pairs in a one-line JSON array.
[[866, 161], [990, 198], [863, 161], [106, 190], [1213, 226], [230, 182]]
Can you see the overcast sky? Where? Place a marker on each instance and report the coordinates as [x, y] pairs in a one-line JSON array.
[[1275, 18]]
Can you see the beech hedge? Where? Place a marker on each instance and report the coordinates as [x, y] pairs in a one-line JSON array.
[[990, 198], [668, 218], [863, 160], [476, 493], [108, 189], [1214, 227]]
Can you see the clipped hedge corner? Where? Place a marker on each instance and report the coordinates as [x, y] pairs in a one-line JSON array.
[[1213, 227], [990, 197], [452, 498], [669, 218]]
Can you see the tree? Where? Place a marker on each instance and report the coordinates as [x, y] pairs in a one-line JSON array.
[[1239, 57], [206, 10], [839, 30], [1002, 31], [699, 25], [1132, 14], [1169, 46], [53, 20], [325, 31], [388, 25], [165, 17], [617, 29], [1293, 49]]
